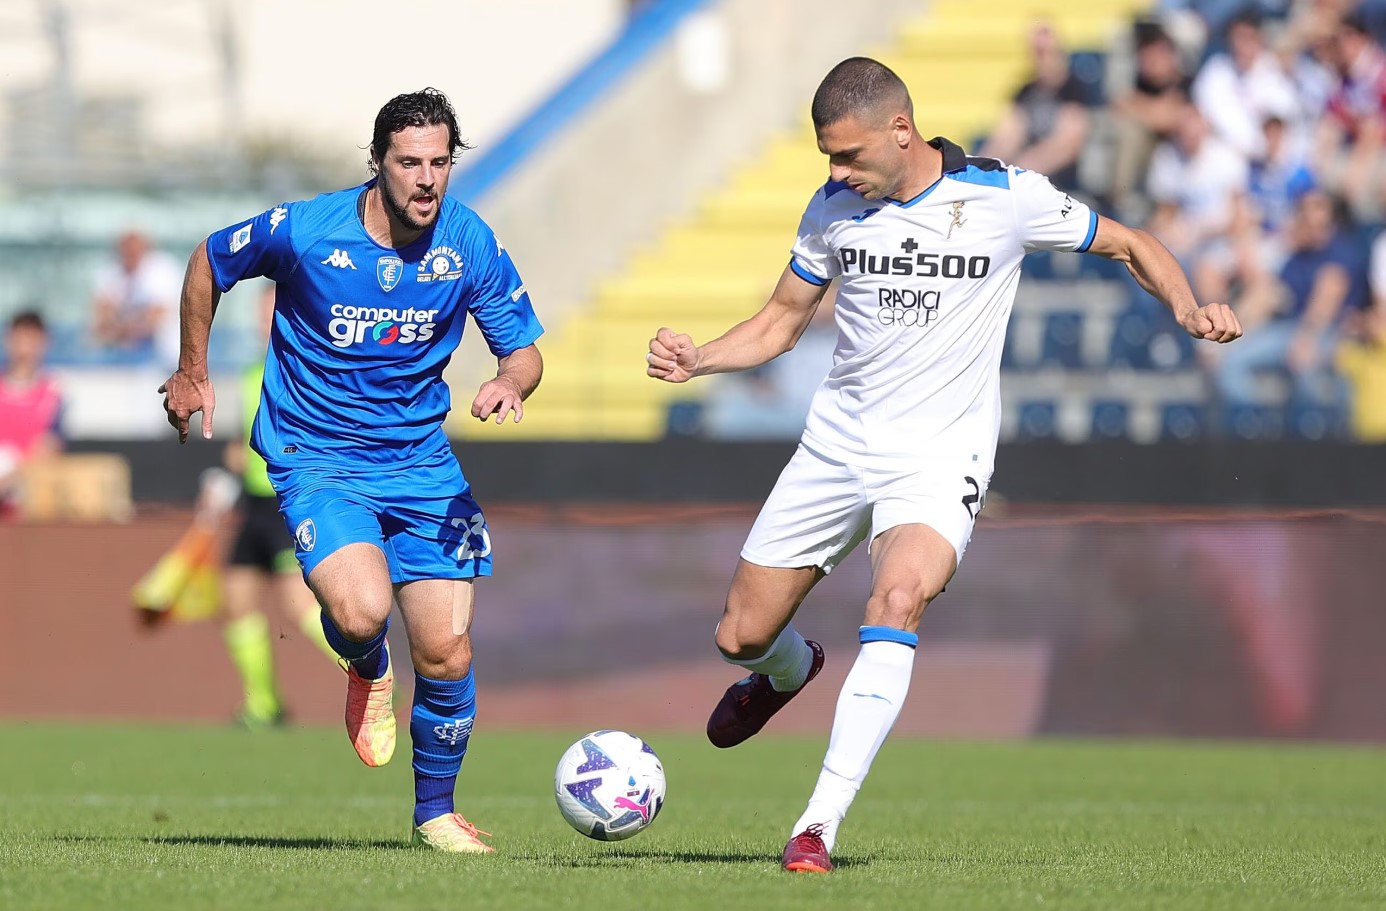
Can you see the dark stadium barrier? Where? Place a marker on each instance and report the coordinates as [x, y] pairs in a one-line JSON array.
[[1112, 621], [1231, 473]]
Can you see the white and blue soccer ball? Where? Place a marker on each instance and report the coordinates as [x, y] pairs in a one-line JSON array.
[[609, 785]]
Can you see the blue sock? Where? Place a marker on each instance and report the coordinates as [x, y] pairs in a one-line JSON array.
[[368, 658], [440, 725]]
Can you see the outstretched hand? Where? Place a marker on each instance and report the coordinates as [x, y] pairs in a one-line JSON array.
[[1215, 323], [499, 396], [184, 396], [673, 357]]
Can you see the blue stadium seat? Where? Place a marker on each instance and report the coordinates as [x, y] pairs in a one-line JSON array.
[[1109, 419], [1090, 69], [1254, 422], [1100, 267], [1131, 340], [1182, 421], [1008, 358], [1062, 342], [1170, 347], [1315, 422], [1037, 420], [1038, 265], [684, 419]]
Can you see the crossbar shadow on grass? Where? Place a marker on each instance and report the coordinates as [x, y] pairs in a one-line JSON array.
[[260, 841]]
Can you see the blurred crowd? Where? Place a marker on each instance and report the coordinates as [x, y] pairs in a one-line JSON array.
[[132, 324], [1251, 139]]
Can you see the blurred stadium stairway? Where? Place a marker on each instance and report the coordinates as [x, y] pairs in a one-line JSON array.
[[718, 264]]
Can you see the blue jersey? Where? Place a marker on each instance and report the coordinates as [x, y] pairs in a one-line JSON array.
[[362, 332]]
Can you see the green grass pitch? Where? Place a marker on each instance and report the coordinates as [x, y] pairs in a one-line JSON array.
[[107, 816]]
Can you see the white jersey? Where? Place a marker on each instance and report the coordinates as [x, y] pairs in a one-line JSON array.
[[926, 291]]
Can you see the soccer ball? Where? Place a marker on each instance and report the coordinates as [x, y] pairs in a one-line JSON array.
[[609, 785]]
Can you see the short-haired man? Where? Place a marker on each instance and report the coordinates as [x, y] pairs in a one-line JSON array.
[[901, 436]]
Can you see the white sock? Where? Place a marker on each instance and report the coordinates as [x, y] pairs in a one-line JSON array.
[[867, 707], [786, 662]]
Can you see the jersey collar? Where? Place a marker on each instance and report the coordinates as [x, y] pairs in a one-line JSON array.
[[954, 159]]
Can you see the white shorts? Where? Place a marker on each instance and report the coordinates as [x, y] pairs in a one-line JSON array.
[[821, 509]]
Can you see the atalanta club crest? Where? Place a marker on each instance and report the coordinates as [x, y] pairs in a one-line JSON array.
[[388, 270]]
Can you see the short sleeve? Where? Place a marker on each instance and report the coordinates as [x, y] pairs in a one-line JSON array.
[[499, 303], [811, 258], [1047, 217], [259, 247]]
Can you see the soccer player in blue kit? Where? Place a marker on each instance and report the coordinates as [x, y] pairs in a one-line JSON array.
[[375, 284]]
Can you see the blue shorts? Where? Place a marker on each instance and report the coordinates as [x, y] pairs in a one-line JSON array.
[[422, 516]]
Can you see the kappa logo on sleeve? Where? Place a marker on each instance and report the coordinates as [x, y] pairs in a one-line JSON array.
[[279, 214]]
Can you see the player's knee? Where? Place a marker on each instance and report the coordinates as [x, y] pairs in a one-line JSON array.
[[450, 660], [899, 606], [738, 643], [361, 617]]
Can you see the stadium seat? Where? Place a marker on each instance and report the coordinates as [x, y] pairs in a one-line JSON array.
[[684, 419], [1131, 340], [1182, 421], [1170, 347], [1062, 344], [1090, 69], [1037, 421], [1312, 421], [1254, 422], [1100, 267], [1038, 265], [1109, 420], [1009, 360]]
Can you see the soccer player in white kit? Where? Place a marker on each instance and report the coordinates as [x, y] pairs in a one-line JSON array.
[[900, 441]]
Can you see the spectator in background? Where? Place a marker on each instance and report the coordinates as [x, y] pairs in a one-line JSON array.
[[1294, 323], [1148, 113], [1362, 360], [1048, 122], [1277, 179], [1198, 185], [1307, 54], [135, 302], [1351, 133], [30, 405], [1214, 16], [1236, 90]]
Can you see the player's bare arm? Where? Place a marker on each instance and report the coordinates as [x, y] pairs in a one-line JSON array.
[[518, 376], [775, 329], [190, 390], [1158, 272]]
